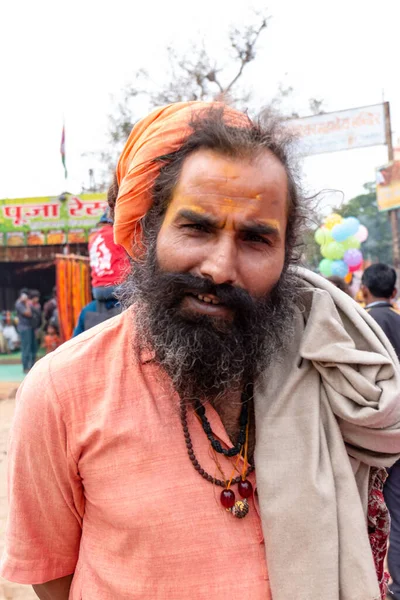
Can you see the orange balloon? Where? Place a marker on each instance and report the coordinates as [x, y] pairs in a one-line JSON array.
[[348, 278]]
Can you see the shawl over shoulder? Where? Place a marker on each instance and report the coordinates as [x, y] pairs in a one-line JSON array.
[[326, 411]]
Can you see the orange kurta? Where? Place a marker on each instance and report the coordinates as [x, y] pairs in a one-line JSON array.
[[100, 484]]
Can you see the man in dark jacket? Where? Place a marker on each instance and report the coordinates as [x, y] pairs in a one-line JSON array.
[[36, 309], [379, 289]]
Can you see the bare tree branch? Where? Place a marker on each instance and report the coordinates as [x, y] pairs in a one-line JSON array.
[[247, 53], [196, 75], [212, 77]]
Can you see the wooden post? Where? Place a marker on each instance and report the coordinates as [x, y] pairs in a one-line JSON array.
[[393, 214]]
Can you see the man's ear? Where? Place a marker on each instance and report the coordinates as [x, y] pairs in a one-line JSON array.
[[393, 296], [364, 290]]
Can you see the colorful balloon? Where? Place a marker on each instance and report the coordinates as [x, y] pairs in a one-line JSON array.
[[352, 242], [323, 236], [356, 267], [325, 252], [349, 277], [352, 225], [319, 236], [333, 251], [340, 232], [325, 267], [339, 268], [332, 220], [362, 234], [353, 257]]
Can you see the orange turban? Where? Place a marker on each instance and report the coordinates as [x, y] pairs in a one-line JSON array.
[[163, 131]]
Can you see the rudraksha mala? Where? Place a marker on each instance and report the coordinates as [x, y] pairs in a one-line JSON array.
[[239, 508]]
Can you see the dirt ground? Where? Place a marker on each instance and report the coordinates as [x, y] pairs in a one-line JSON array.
[[8, 591]]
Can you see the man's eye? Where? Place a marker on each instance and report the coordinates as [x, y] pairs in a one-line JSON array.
[[195, 227], [255, 237]]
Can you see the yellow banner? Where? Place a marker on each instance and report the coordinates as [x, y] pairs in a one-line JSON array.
[[388, 186], [50, 220]]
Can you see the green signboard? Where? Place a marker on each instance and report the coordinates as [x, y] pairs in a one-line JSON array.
[[50, 220]]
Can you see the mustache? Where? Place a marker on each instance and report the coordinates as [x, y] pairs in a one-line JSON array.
[[175, 286]]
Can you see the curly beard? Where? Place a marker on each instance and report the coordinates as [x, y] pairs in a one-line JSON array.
[[205, 357]]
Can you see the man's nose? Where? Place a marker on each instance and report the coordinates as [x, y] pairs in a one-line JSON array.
[[220, 265]]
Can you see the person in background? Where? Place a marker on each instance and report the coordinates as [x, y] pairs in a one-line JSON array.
[[51, 340], [23, 308], [109, 264], [34, 296], [95, 312], [10, 333], [3, 342], [50, 307], [378, 286], [340, 283], [36, 308]]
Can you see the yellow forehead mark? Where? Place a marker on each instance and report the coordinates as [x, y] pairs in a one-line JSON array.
[[179, 203], [272, 222], [227, 208], [195, 208]]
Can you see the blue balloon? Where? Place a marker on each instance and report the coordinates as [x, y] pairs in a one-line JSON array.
[[352, 225], [340, 232], [339, 268]]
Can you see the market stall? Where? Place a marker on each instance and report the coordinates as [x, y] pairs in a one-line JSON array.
[[34, 230]]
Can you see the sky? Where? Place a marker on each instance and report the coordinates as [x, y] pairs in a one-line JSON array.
[[68, 62]]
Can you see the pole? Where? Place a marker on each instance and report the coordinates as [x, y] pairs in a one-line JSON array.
[[393, 215]]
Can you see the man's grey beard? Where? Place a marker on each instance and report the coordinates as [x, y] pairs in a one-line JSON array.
[[207, 357]]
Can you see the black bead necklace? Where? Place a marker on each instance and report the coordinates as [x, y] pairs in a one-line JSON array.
[[216, 444], [238, 508]]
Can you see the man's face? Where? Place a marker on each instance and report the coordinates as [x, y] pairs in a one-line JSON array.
[[226, 223], [212, 297]]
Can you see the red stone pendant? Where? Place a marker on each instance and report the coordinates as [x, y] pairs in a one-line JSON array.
[[227, 498], [245, 488]]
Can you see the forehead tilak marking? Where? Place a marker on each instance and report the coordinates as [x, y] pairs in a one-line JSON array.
[[228, 209]]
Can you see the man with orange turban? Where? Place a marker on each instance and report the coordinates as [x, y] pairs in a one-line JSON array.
[[225, 436]]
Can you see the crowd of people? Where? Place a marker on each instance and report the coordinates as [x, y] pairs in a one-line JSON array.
[[29, 327], [32, 326], [141, 476]]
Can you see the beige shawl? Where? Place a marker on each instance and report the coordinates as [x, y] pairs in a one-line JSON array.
[[327, 411]]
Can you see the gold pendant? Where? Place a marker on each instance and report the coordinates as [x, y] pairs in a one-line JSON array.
[[240, 508]]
